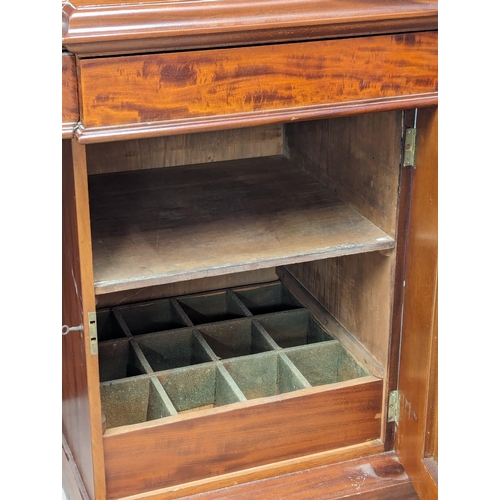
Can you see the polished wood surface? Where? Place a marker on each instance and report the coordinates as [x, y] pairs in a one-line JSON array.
[[157, 75], [419, 329], [71, 480], [70, 112], [81, 405], [193, 446], [91, 27], [192, 222], [369, 448], [403, 213], [380, 477], [178, 92]]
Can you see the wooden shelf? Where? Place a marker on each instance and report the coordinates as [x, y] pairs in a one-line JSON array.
[[160, 226]]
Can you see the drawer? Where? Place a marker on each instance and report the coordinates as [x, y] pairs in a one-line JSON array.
[[69, 95], [164, 93], [198, 386]]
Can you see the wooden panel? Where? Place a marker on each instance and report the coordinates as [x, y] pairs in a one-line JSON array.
[[91, 27], [359, 158], [419, 315], [193, 222], [248, 434], [375, 478], [177, 92], [326, 320], [366, 449], [356, 291], [81, 414], [399, 277], [187, 287], [70, 113], [431, 438], [171, 151], [71, 480]]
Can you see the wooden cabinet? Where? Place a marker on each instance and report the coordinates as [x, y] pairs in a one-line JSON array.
[[249, 257]]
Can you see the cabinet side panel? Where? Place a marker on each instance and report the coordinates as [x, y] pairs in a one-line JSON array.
[[80, 386], [357, 291], [358, 158]]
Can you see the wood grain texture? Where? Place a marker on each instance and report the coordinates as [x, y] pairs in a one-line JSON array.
[[403, 213], [187, 287], [92, 27], [252, 474], [166, 225], [171, 151], [190, 447], [359, 158], [179, 91], [355, 290], [431, 438], [419, 316], [70, 112], [81, 405], [71, 480], [330, 324], [380, 477]]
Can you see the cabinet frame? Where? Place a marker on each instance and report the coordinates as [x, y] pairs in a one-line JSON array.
[[84, 447]]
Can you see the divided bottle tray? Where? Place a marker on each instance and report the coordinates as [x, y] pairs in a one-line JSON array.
[[227, 379]]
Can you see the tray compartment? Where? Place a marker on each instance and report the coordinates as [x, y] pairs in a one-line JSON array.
[[132, 401], [325, 363], [213, 307], [253, 390], [200, 388], [204, 444], [153, 316], [294, 328], [266, 374], [173, 349], [236, 338], [108, 327], [119, 359], [267, 299]]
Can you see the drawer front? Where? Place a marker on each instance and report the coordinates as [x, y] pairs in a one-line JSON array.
[[183, 91], [158, 455], [69, 95]]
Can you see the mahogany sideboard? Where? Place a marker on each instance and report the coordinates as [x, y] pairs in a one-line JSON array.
[[249, 249]]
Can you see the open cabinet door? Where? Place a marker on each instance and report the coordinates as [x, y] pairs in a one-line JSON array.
[[416, 435], [83, 475]]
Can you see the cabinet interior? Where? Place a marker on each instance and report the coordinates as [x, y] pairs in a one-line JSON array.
[[237, 270]]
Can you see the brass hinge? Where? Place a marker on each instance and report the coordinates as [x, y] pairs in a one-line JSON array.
[[393, 410], [410, 148], [93, 332]]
